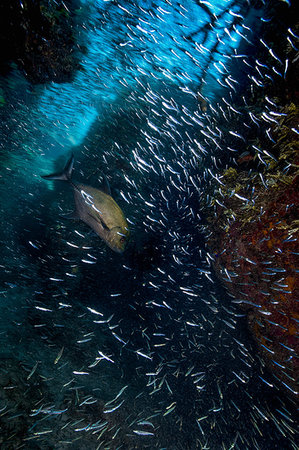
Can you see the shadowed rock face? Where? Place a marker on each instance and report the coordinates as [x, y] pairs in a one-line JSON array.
[[40, 38], [255, 244], [258, 266]]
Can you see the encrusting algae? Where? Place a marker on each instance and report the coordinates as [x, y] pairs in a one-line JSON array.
[[255, 244]]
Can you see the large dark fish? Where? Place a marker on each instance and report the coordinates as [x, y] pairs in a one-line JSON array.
[[97, 209]]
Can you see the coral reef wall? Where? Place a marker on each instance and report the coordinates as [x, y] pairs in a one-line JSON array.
[[255, 228]]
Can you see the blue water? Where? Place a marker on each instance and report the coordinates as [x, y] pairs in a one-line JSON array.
[[143, 349]]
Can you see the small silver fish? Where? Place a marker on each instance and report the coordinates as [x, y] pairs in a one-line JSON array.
[[97, 209]]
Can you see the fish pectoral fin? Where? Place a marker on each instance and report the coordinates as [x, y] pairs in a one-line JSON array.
[[101, 222], [72, 215]]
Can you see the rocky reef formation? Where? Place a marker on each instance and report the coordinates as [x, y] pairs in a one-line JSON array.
[[40, 38], [256, 228], [255, 255]]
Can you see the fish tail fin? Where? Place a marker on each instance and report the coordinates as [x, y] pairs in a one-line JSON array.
[[66, 174]]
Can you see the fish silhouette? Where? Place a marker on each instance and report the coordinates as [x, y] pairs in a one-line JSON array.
[[97, 209]]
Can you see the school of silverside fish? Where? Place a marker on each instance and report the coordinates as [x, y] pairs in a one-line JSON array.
[[184, 336]]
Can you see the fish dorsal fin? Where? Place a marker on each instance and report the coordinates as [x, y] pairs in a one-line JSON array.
[[106, 185]]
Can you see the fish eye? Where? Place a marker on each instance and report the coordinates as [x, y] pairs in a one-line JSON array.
[[122, 239]]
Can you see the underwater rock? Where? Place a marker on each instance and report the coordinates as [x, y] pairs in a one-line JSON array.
[[44, 38], [255, 244], [254, 224]]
